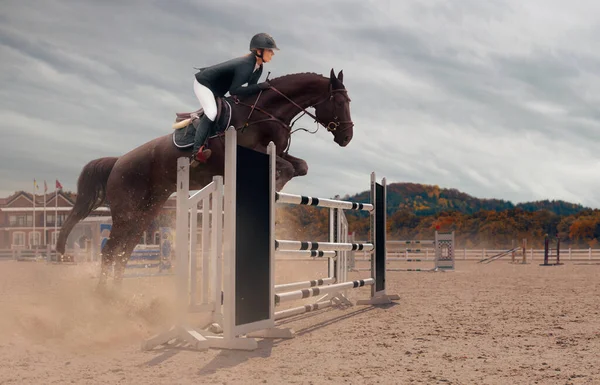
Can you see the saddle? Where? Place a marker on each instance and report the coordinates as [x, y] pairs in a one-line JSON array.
[[186, 123]]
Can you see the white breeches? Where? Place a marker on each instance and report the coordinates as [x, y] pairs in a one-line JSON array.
[[206, 99]]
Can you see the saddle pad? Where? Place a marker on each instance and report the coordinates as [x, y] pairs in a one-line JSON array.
[[184, 137]]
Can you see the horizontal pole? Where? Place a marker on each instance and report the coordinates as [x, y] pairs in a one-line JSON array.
[[323, 246], [304, 284], [306, 293], [305, 253], [426, 242], [394, 269], [321, 202], [302, 309]]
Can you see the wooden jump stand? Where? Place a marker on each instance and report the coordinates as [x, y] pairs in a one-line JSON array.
[[524, 254], [547, 252]]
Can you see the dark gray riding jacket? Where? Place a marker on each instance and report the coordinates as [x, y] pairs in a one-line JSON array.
[[230, 76]]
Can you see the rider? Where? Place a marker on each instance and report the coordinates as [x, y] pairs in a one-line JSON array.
[[215, 81]]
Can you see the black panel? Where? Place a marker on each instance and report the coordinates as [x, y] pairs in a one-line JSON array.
[[379, 238], [252, 267]]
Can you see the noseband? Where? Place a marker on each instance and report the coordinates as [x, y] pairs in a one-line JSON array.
[[332, 125]]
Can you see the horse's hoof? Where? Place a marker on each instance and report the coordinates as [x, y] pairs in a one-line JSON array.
[[215, 328]]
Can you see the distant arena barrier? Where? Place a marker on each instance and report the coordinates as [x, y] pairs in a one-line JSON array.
[[443, 259]]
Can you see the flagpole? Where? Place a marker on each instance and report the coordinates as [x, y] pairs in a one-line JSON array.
[[45, 237], [57, 186], [55, 216], [32, 242]]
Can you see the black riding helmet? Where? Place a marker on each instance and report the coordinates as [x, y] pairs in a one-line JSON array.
[[262, 41]]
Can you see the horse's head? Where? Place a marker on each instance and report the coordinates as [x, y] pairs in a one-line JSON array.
[[334, 112]]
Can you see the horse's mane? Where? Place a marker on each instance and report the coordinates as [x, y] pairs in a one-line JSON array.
[[286, 80], [295, 75]]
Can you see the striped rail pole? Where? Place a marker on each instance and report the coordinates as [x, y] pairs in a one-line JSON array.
[[311, 292], [320, 202], [304, 284], [302, 309], [323, 246], [305, 253]]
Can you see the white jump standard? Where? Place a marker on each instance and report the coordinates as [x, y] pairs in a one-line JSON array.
[[444, 253]]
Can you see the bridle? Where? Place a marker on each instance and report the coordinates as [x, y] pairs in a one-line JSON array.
[[331, 126]]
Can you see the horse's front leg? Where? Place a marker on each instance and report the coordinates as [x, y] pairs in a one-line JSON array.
[[300, 165], [284, 170]]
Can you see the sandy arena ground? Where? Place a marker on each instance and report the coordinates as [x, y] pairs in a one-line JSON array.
[[482, 324]]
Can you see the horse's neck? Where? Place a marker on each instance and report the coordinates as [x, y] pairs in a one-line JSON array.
[[305, 94]]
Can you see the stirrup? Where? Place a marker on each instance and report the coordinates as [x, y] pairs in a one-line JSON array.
[[201, 156]]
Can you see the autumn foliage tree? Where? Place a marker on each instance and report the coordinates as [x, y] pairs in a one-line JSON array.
[[415, 211]]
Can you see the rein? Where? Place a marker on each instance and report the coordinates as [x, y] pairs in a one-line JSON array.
[[331, 126]]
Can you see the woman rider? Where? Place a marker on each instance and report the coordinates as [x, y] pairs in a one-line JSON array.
[[215, 81]]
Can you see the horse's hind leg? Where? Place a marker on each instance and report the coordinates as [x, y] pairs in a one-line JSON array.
[[134, 229], [121, 261], [115, 248]]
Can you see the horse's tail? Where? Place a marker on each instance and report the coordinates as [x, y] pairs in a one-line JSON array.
[[91, 192]]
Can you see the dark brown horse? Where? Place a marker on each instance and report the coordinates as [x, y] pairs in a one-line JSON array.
[[137, 184]]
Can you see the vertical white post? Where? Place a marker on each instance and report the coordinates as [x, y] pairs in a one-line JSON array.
[[332, 267], [193, 247], [331, 263], [206, 245], [181, 233], [229, 234], [272, 191], [217, 248]]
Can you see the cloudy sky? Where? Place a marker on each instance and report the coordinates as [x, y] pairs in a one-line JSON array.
[[498, 99]]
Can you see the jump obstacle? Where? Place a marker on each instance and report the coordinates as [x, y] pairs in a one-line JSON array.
[[548, 253], [443, 260], [523, 254], [503, 254], [238, 291]]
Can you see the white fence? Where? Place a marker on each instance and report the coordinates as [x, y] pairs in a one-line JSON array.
[[566, 254]]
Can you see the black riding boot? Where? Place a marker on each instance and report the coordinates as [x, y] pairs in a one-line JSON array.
[[204, 127]]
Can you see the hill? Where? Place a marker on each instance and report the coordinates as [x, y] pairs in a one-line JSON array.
[[425, 200]]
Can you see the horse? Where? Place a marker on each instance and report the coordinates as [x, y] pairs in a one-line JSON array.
[[137, 184]]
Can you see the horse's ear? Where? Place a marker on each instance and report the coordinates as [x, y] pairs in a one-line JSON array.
[[332, 75], [341, 76]]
